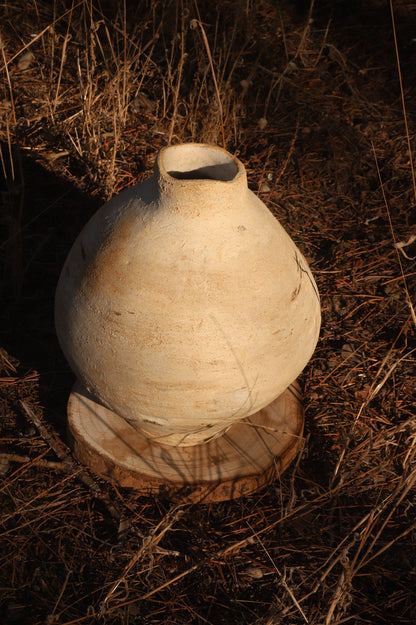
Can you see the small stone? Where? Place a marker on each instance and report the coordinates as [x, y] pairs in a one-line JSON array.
[[264, 188], [262, 123], [254, 572], [4, 466], [25, 60]]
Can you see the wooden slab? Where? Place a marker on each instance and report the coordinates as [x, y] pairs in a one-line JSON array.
[[251, 454]]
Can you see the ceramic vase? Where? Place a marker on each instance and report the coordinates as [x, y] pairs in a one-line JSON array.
[[184, 306]]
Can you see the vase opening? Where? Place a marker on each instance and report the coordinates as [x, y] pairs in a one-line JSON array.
[[192, 162]]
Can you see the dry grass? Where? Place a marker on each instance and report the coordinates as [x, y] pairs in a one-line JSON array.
[[313, 103]]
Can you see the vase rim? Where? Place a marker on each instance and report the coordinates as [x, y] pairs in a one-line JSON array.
[[201, 162]]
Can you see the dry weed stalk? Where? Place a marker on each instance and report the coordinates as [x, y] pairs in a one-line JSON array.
[[149, 546], [64, 455]]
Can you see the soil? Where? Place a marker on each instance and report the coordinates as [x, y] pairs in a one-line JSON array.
[[311, 99]]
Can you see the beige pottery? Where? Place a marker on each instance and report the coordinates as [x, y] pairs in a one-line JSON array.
[[183, 305]]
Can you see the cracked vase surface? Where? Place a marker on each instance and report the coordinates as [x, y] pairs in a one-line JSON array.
[[183, 305]]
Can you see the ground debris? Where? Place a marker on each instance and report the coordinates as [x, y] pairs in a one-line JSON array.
[[307, 95]]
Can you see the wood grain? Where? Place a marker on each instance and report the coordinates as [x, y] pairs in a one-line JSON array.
[[246, 457]]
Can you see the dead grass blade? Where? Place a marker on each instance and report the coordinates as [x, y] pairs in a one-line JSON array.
[[211, 64], [149, 545], [408, 298]]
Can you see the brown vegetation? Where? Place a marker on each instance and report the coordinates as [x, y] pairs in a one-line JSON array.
[[312, 100]]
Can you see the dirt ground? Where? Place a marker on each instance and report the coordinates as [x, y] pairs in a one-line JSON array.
[[318, 102]]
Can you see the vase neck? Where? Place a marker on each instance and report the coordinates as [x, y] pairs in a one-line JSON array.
[[200, 173]]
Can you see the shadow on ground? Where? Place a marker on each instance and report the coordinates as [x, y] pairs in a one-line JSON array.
[[42, 215]]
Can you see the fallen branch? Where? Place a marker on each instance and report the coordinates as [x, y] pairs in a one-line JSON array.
[[70, 465]]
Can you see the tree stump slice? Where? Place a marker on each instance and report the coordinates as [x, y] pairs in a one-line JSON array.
[[249, 455]]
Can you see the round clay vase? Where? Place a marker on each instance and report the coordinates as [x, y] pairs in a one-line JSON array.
[[184, 306]]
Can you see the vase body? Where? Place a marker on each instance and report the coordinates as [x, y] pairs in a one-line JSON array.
[[184, 306]]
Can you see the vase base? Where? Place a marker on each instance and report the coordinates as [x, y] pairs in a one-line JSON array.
[[250, 455]]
